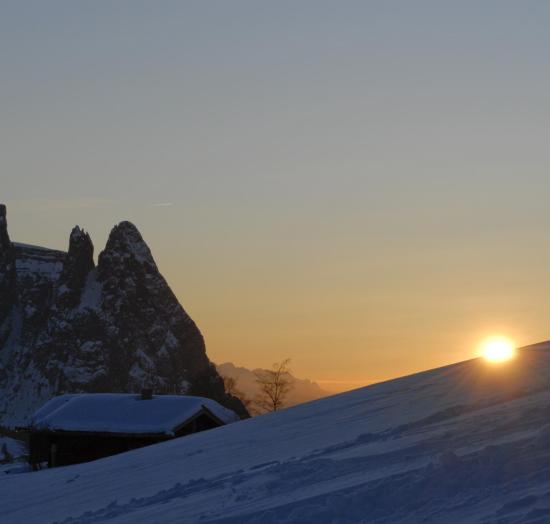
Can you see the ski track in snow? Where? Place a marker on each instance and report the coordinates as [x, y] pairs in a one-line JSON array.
[[468, 443]]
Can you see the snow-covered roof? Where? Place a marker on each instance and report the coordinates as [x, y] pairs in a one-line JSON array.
[[124, 413]]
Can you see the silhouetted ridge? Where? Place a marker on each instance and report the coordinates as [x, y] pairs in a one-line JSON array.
[[7, 273], [77, 266], [73, 327]]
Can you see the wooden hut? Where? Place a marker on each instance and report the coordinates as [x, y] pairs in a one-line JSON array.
[[70, 429]]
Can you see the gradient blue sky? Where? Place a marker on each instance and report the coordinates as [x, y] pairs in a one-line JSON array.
[[360, 186]]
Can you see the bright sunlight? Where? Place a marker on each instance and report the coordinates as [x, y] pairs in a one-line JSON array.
[[498, 349]]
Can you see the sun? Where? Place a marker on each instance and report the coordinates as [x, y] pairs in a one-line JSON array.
[[498, 349]]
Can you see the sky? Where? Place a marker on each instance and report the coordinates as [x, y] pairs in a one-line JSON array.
[[360, 186]]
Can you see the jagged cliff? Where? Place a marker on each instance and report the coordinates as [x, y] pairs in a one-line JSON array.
[[67, 325]]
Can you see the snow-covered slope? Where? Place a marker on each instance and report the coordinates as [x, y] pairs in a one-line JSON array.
[[466, 443]]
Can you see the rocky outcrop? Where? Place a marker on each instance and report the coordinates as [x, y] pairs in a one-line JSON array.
[[69, 326], [77, 266], [7, 269]]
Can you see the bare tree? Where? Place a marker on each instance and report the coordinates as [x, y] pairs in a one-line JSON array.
[[274, 385]]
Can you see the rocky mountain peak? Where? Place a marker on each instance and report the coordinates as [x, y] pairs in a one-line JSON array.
[[81, 249], [78, 236], [76, 328], [125, 250], [78, 264], [7, 269], [4, 237], [125, 237]]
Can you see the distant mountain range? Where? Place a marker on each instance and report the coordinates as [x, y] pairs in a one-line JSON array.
[[303, 390], [69, 325]]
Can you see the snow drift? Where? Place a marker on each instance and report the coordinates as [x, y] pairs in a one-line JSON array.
[[468, 442]]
